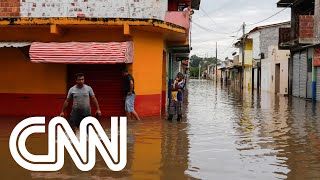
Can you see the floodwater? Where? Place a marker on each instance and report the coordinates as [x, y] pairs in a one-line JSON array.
[[224, 135]]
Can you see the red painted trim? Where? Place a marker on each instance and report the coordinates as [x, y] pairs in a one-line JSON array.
[[148, 105], [27, 105], [163, 100], [31, 104], [316, 61]]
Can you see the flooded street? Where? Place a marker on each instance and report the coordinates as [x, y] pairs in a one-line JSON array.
[[223, 135]]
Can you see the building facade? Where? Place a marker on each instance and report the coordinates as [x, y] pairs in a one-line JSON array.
[[43, 44], [270, 65], [262, 66], [302, 41]]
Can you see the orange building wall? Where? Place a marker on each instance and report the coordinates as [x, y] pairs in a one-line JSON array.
[[30, 83], [19, 75], [164, 81], [147, 72], [29, 89]]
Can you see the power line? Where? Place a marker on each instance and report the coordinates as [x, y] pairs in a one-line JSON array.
[[233, 40], [209, 30], [213, 20], [219, 8], [273, 14], [213, 30], [266, 18]]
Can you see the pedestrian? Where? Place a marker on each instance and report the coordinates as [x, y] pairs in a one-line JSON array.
[[129, 95], [80, 94], [175, 105]]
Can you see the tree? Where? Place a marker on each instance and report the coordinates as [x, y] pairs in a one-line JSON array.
[[195, 60], [194, 72]]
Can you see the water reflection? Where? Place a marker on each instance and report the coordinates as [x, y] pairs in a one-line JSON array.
[[226, 134]]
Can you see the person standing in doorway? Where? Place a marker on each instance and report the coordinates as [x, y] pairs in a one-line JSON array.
[[80, 94], [129, 95], [175, 106]]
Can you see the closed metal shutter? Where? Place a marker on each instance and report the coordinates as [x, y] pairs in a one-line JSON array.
[[296, 76], [318, 84], [107, 84], [303, 75]]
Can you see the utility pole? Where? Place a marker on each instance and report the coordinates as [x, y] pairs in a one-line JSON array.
[[199, 70], [216, 62], [243, 51]]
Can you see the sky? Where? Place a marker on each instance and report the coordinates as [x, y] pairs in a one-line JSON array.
[[219, 20]]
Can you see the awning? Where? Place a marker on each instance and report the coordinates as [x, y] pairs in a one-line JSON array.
[[82, 52]]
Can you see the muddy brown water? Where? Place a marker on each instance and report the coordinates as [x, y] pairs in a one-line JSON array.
[[225, 134]]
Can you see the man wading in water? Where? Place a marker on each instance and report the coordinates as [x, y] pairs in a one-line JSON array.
[[129, 95], [80, 93]]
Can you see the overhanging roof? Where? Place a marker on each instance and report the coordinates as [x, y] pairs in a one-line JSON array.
[[287, 23], [180, 49], [289, 3]]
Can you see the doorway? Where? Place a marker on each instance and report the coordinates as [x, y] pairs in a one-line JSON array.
[[277, 79]]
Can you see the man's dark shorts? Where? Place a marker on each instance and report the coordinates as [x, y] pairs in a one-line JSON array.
[[76, 117]]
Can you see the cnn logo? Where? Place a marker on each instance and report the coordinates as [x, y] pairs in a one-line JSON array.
[[61, 137]]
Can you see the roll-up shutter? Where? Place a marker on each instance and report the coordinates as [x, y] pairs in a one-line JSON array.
[[107, 84], [303, 75], [296, 76]]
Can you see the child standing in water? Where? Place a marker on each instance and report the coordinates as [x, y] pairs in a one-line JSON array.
[[175, 107]]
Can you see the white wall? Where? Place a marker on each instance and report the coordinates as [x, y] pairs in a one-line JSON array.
[[268, 67], [248, 77], [256, 44], [266, 75], [150, 9]]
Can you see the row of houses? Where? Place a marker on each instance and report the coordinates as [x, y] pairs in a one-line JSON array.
[[43, 44], [282, 58], [265, 65]]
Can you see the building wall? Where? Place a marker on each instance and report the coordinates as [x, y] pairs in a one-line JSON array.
[[19, 75], [268, 67], [256, 44], [269, 37], [248, 77], [147, 71], [150, 9], [23, 80], [25, 85], [266, 75], [306, 26]]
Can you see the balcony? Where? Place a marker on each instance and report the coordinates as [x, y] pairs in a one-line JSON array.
[[180, 18], [285, 38], [303, 33]]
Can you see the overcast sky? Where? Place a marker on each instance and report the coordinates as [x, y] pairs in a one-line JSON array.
[[225, 18]]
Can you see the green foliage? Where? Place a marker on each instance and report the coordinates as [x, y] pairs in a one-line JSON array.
[[194, 72], [195, 61]]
